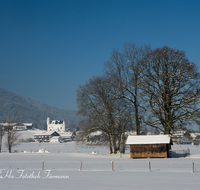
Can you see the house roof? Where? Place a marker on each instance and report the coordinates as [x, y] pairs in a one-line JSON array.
[[66, 134], [148, 139], [54, 133], [11, 124], [19, 124]]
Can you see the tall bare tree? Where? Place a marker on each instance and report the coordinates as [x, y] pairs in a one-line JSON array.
[[97, 104], [126, 69], [171, 89], [93, 105]]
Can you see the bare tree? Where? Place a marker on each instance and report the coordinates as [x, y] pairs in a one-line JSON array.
[[97, 105], [12, 137], [2, 132], [170, 89], [126, 69]]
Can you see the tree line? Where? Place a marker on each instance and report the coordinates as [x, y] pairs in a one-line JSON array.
[[140, 86]]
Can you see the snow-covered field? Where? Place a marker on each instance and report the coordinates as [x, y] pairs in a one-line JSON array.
[[62, 163]]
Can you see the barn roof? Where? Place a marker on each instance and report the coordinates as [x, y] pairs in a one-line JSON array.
[[148, 139]]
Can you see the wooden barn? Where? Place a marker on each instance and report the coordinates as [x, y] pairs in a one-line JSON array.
[[149, 146]]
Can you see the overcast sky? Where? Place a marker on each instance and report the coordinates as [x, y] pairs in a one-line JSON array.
[[48, 48]]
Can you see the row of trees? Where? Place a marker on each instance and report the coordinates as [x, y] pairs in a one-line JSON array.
[[139, 86]]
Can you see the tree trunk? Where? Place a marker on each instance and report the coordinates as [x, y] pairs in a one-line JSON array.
[[114, 139], [114, 144], [113, 135], [137, 121], [1, 138], [120, 135], [9, 148], [123, 146], [167, 130], [110, 143], [0, 142]]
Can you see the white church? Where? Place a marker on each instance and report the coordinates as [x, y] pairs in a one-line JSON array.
[[55, 125]]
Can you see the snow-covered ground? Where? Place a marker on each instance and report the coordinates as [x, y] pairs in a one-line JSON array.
[[62, 163]]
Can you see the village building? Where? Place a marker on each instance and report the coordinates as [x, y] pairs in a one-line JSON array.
[[18, 126], [22, 126], [149, 146], [181, 137], [52, 136], [95, 137], [45, 136], [55, 125], [66, 137]]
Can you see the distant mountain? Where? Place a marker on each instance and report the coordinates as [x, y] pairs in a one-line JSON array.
[[23, 109]]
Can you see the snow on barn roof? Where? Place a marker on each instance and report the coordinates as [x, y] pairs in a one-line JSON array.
[[148, 139]]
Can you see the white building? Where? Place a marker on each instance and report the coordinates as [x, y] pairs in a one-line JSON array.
[[55, 125]]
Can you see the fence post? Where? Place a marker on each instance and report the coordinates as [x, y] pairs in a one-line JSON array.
[[81, 166], [149, 166], [42, 165], [193, 167], [112, 165]]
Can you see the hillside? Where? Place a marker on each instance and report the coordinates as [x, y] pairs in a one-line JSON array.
[[23, 109]]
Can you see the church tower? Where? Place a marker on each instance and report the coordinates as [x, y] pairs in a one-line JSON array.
[[48, 122]]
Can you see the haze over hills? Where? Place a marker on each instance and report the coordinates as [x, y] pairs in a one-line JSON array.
[[23, 109]]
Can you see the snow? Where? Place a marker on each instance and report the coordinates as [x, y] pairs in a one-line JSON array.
[[62, 163], [148, 139], [28, 134], [38, 151]]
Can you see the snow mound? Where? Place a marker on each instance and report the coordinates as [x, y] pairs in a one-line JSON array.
[[94, 152], [26, 151], [38, 151], [42, 151]]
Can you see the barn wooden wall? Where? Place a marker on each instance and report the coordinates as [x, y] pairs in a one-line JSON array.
[[149, 151]]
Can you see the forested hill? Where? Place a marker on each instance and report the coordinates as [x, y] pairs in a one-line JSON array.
[[23, 109]]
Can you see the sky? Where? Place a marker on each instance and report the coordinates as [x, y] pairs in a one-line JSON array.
[[50, 47]]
